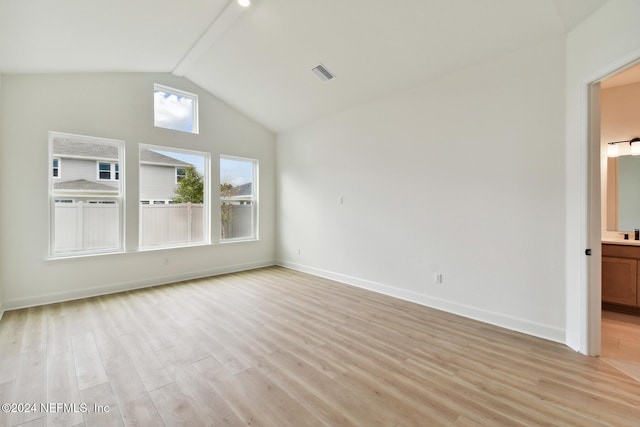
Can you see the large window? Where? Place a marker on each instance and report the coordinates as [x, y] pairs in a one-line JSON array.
[[238, 199], [174, 202], [86, 209], [175, 109]]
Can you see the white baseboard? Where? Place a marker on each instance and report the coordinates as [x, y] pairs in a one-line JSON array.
[[520, 325], [51, 298]]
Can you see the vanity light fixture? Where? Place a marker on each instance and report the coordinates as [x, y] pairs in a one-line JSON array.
[[244, 3], [612, 149], [635, 146]]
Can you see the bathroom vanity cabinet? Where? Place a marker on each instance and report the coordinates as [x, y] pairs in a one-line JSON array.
[[620, 277]]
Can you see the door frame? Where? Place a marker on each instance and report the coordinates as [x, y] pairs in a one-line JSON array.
[[591, 301], [593, 295]]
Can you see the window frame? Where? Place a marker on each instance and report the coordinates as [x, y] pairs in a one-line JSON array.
[[206, 226], [114, 170], [195, 122], [254, 199], [120, 199], [180, 177], [55, 168]]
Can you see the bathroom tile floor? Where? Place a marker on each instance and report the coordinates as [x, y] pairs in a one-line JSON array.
[[621, 342]]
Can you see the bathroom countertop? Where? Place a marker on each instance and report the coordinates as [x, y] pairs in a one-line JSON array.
[[621, 242]]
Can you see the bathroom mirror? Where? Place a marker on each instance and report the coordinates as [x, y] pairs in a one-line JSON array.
[[627, 170]]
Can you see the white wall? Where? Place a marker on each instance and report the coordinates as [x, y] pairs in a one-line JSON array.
[[1, 232], [461, 176], [117, 106], [605, 41], [620, 113]]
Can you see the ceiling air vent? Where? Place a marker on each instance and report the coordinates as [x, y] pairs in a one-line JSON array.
[[322, 73]]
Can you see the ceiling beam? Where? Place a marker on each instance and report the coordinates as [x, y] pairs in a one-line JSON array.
[[221, 24]]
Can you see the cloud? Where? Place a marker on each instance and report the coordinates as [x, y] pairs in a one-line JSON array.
[[236, 172], [234, 180], [172, 111]]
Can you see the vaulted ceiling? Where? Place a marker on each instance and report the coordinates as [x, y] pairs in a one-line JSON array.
[[259, 59]]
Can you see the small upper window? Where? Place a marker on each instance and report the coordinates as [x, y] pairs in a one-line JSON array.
[[56, 168], [175, 109]]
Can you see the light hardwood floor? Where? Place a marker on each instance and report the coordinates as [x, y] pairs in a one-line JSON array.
[[621, 342], [273, 347]]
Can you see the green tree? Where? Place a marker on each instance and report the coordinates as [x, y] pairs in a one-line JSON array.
[[190, 189], [226, 190]]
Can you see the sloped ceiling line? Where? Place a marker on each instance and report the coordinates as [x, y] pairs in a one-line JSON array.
[[219, 26]]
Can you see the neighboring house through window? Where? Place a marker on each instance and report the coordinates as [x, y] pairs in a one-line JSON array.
[[87, 208], [174, 203]]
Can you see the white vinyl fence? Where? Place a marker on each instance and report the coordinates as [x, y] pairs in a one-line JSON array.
[[171, 224], [237, 220], [83, 226]]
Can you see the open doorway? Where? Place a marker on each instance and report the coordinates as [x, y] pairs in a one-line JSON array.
[[618, 100]]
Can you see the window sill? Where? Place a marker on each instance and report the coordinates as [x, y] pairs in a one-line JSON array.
[[147, 249], [160, 248], [83, 255], [248, 239]]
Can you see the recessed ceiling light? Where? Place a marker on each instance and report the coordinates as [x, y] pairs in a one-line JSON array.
[[244, 3]]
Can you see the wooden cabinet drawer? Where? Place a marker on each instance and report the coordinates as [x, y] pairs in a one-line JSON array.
[[620, 280], [621, 251]]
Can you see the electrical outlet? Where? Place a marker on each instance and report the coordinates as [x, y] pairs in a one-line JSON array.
[[299, 251], [437, 278]]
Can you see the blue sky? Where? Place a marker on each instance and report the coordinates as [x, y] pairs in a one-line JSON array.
[[196, 160], [235, 172]]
